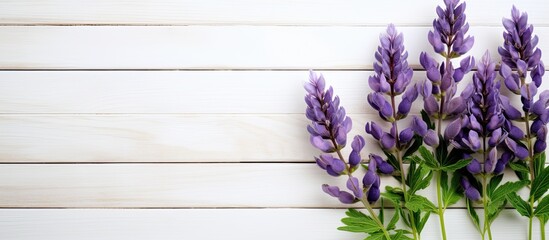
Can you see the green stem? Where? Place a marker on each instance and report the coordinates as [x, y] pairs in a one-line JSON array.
[[364, 202], [530, 228], [542, 228], [531, 161], [440, 206], [486, 227], [401, 164], [376, 219]]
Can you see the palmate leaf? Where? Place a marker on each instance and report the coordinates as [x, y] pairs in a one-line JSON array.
[[395, 218], [358, 222], [473, 214], [522, 207], [507, 188], [539, 163], [542, 210], [418, 142], [420, 203], [423, 221], [375, 236], [493, 184], [456, 166], [540, 184], [428, 158], [451, 194]]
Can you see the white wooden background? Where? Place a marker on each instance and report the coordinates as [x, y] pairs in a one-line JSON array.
[[184, 119]]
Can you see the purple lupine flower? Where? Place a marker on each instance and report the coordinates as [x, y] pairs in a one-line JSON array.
[[484, 120], [328, 130], [470, 191], [392, 78], [448, 39], [519, 56]]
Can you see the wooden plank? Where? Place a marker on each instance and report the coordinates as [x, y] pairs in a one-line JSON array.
[[164, 138], [214, 47], [268, 224], [282, 12], [192, 185], [191, 92], [172, 91], [155, 138], [166, 185]]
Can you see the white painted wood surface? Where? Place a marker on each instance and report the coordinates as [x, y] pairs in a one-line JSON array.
[[215, 47], [195, 108], [262, 12], [214, 224]]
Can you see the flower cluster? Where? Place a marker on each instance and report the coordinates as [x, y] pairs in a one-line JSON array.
[[481, 130], [328, 129], [449, 40], [481, 139], [392, 77], [519, 56]]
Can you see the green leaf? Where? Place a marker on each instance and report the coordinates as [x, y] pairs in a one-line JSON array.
[[509, 187], [453, 193], [355, 213], [520, 174], [423, 221], [416, 203], [493, 215], [418, 141], [395, 195], [441, 152], [493, 184], [543, 208], [427, 119], [473, 214], [367, 225], [494, 207], [539, 163], [401, 235], [358, 222], [394, 219], [540, 184], [381, 214], [356, 229], [428, 157], [456, 166], [376, 236], [517, 167], [420, 178], [519, 204]]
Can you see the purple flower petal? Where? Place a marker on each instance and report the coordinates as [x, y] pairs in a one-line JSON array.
[[322, 144], [352, 184], [474, 167], [331, 190], [346, 198], [419, 126]]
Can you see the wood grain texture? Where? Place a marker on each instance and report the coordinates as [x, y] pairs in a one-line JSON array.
[[264, 12], [214, 47], [182, 92], [168, 185], [214, 224], [152, 92], [155, 138]]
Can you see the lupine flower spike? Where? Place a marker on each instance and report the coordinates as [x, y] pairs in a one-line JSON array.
[[392, 78], [481, 134], [449, 39], [328, 132], [520, 57]]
